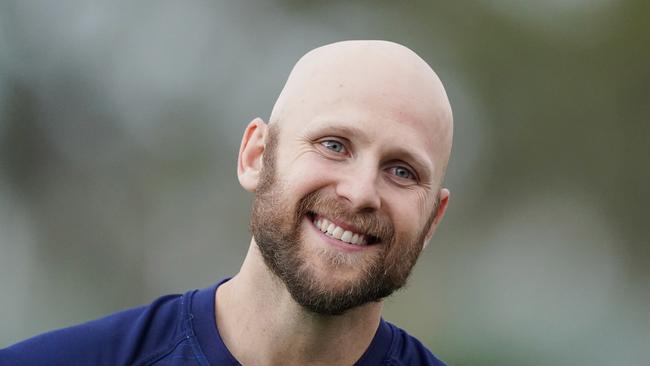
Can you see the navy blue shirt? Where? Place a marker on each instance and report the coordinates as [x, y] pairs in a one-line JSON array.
[[177, 330]]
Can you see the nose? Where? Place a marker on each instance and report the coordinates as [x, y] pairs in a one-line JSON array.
[[358, 186]]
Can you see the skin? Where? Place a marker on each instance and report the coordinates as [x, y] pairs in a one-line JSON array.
[[390, 116]]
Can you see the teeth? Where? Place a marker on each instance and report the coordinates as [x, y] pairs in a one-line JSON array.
[[339, 233], [330, 229], [324, 225]]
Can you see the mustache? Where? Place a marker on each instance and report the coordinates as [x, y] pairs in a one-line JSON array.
[[373, 224]]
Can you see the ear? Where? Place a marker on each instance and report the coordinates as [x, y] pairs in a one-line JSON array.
[[442, 208], [249, 162]]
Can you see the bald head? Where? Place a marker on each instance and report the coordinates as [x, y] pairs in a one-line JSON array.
[[379, 76]]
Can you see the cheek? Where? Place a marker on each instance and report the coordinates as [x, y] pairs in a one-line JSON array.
[[409, 215], [307, 174]]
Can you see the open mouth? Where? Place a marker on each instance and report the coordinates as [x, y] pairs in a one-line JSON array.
[[341, 231]]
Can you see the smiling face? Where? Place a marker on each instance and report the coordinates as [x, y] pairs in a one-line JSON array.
[[349, 189], [331, 257]]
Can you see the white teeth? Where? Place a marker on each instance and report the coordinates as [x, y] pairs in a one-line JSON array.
[[339, 233], [330, 229]]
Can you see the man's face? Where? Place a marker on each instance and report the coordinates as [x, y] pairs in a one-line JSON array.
[[343, 208]]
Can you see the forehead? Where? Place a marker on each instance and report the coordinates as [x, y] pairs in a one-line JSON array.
[[370, 126]]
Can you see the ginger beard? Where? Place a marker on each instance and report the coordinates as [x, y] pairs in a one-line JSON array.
[[277, 229]]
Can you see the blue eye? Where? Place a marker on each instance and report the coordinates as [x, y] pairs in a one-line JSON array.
[[333, 145], [402, 172]]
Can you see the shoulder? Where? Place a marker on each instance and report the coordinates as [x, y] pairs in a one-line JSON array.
[[130, 337], [407, 350]]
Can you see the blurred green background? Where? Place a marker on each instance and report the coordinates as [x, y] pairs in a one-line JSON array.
[[120, 122]]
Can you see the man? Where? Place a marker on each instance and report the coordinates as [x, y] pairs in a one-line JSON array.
[[347, 177]]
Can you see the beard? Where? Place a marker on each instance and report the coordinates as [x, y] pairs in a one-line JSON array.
[[276, 226]]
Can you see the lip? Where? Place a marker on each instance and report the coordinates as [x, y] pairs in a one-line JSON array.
[[350, 248]]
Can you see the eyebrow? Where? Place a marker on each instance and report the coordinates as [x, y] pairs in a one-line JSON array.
[[418, 161], [343, 130]]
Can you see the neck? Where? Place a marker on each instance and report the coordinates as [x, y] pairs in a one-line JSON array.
[[261, 324]]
